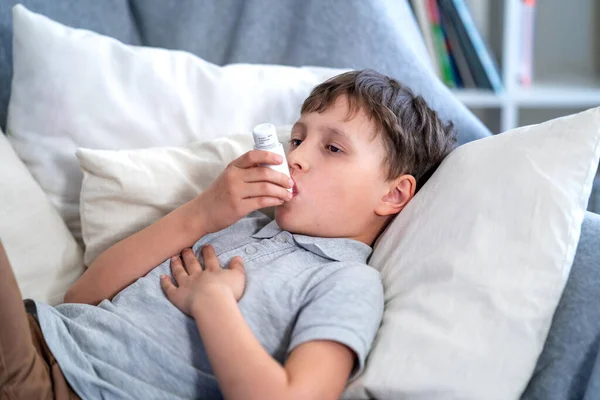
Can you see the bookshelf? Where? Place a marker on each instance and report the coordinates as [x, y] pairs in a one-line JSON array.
[[566, 77]]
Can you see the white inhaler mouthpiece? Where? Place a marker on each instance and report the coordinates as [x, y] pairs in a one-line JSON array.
[[265, 138]]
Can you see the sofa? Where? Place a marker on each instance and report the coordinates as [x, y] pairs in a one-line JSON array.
[[346, 34]]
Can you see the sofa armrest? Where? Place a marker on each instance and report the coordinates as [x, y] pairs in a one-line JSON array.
[[566, 363]]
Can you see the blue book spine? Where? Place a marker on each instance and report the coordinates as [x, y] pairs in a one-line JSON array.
[[486, 60]]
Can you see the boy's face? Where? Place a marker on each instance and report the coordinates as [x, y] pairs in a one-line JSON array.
[[337, 166]]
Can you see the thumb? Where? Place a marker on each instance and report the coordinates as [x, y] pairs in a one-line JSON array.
[[236, 264]]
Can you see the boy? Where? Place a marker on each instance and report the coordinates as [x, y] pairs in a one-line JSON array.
[[256, 309]]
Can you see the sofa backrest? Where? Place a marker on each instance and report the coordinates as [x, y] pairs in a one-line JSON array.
[[378, 34]]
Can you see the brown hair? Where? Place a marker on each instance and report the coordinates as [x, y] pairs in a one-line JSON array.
[[415, 139]]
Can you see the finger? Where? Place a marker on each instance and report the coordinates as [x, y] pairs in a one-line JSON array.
[[256, 203], [260, 189], [266, 174], [177, 269], [237, 264], [167, 286], [255, 157], [192, 265], [211, 262]]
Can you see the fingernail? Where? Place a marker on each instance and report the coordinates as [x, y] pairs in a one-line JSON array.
[[279, 159], [173, 259], [290, 183], [289, 196]]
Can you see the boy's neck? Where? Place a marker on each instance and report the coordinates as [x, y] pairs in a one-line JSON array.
[[374, 230]]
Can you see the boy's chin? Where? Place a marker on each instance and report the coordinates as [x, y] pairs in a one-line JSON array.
[[285, 219]]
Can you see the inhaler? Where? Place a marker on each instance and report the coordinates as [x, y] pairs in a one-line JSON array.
[[265, 138]]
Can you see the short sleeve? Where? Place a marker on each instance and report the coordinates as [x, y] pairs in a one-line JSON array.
[[346, 307]]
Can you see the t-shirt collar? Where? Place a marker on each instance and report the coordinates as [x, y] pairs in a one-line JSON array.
[[337, 249]]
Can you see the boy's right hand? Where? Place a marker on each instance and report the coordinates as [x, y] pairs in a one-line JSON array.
[[244, 186]]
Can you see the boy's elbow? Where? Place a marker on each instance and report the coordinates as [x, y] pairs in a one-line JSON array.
[[71, 296], [74, 296]]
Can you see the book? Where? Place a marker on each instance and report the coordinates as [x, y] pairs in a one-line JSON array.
[[457, 54], [453, 66], [420, 10], [526, 45], [468, 50], [479, 58], [439, 42]]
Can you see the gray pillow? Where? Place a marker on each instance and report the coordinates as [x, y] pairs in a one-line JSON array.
[[108, 17]]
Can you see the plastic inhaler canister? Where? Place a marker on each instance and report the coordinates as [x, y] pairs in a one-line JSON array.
[[265, 138]]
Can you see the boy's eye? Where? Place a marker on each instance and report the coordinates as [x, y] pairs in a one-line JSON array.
[[333, 149], [295, 142]]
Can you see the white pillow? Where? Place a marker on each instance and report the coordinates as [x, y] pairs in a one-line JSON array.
[[45, 258], [74, 88], [125, 190], [473, 267]]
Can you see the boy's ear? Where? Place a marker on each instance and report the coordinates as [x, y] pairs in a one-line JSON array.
[[401, 190]]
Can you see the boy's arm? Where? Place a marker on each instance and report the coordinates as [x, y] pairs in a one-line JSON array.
[[136, 255], [317, 369], [244, 186], [244, 370]]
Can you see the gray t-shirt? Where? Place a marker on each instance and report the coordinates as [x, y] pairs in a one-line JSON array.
[[298, 289]]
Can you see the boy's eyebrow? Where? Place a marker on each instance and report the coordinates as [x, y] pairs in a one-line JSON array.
[[336, 131], [299, 125], [325, 128]]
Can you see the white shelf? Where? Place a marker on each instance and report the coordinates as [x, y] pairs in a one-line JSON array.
[[479, 98], [558, 96], [538, 95]]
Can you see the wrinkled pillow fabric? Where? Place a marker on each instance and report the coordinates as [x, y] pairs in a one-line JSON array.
[[45, 258], [74, 88]]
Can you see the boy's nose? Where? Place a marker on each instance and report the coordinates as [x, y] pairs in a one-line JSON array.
[[297, 161]]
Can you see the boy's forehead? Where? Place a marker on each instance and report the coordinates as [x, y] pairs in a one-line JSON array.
[[352, 126], [343, 115]]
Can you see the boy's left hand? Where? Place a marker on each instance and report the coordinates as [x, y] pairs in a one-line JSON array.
[[195, 282]]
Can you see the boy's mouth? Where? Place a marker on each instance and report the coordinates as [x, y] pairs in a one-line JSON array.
[[295, 189]]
